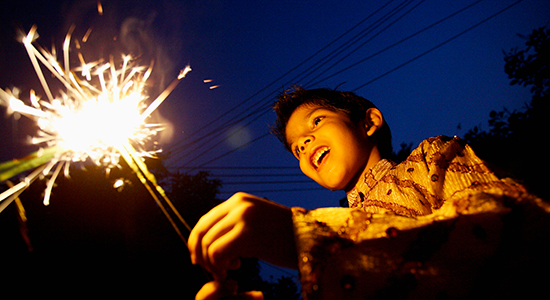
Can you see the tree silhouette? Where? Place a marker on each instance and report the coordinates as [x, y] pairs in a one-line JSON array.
[[193, 195], [515, 141], [96, 238]]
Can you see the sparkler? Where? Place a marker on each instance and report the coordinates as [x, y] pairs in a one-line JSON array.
[[100, 116]]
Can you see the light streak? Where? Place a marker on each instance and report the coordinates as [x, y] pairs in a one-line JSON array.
[[99, 8], [100, 116]]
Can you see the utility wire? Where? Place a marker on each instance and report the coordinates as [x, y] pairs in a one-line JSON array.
[[259, 175], [383, 50], [400, 41], [267, 182], [217, 130], [263, 110], [231, 151], [319, 188], [438, 46], [414, 58], [239, 167], [282, 76], [343, 57]]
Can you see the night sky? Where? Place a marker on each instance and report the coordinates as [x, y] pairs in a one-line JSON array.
[[432, 67], [443, 80]]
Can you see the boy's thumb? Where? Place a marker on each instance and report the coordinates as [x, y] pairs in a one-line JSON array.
[[251, 295]]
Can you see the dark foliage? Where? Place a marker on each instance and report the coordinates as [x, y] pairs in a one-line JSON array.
[[94, 239], [514, 142]]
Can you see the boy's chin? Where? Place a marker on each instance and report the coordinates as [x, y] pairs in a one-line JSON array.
[[345, 186], [333, 186]]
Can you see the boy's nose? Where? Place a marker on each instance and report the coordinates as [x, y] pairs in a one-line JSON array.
[[304, 144]]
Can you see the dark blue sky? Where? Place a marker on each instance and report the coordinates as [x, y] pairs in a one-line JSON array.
[[425, 85], [432, 80], [246, 48]]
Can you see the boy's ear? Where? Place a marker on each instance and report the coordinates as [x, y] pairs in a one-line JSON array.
[[373, 121]]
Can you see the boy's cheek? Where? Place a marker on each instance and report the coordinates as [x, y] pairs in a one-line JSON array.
[[309, 173]]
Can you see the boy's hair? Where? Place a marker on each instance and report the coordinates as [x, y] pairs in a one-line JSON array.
[[347, 102]]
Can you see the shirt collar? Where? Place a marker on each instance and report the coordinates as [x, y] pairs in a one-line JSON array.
[[369, 181]]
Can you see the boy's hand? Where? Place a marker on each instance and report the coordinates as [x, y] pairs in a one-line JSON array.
[[243, 226], [227, 289]]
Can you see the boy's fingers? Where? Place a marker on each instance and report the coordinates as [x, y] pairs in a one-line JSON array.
[[202, 227], [251, 295], [218, 245], [214, 290], [221, 254], [227, 289]]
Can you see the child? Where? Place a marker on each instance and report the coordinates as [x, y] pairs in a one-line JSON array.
[[439, 224]]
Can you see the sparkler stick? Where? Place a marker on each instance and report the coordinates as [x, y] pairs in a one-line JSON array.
[[16, 190], [11, 168], [88, 122], [147, 178]]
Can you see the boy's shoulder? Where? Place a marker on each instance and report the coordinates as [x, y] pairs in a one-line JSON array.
[[443, 151], [442, 144], [441, 140]]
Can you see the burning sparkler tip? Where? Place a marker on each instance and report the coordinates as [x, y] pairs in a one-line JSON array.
[[31, 36], [184, 72]]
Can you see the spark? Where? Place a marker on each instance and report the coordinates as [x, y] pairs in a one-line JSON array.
[[99, 8], [208, 80], [100, 116], [118, 183]]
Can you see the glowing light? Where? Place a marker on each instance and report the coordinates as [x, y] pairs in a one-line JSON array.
[[98, 117], [118, 183], [99, 8], [210, 81], [87, 121]]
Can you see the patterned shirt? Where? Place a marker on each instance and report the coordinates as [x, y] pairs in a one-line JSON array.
[[437, 224]]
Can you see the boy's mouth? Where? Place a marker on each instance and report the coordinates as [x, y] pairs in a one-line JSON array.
[[319, 155]]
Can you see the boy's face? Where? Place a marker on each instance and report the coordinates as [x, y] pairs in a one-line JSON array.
[[332, 150]]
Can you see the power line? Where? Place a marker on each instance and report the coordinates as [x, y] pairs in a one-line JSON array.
[[239, 167], [438, 46], [285, 74], [231, 151], [387, 48], [219, 132], [267, 182], [262, 110], [278, 190], [259, 175], [368, 40], [400, 41]]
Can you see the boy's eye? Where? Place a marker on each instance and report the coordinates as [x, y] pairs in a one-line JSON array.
[[317, 120]]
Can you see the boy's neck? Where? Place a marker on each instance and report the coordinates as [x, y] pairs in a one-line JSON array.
[[374, 158]]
